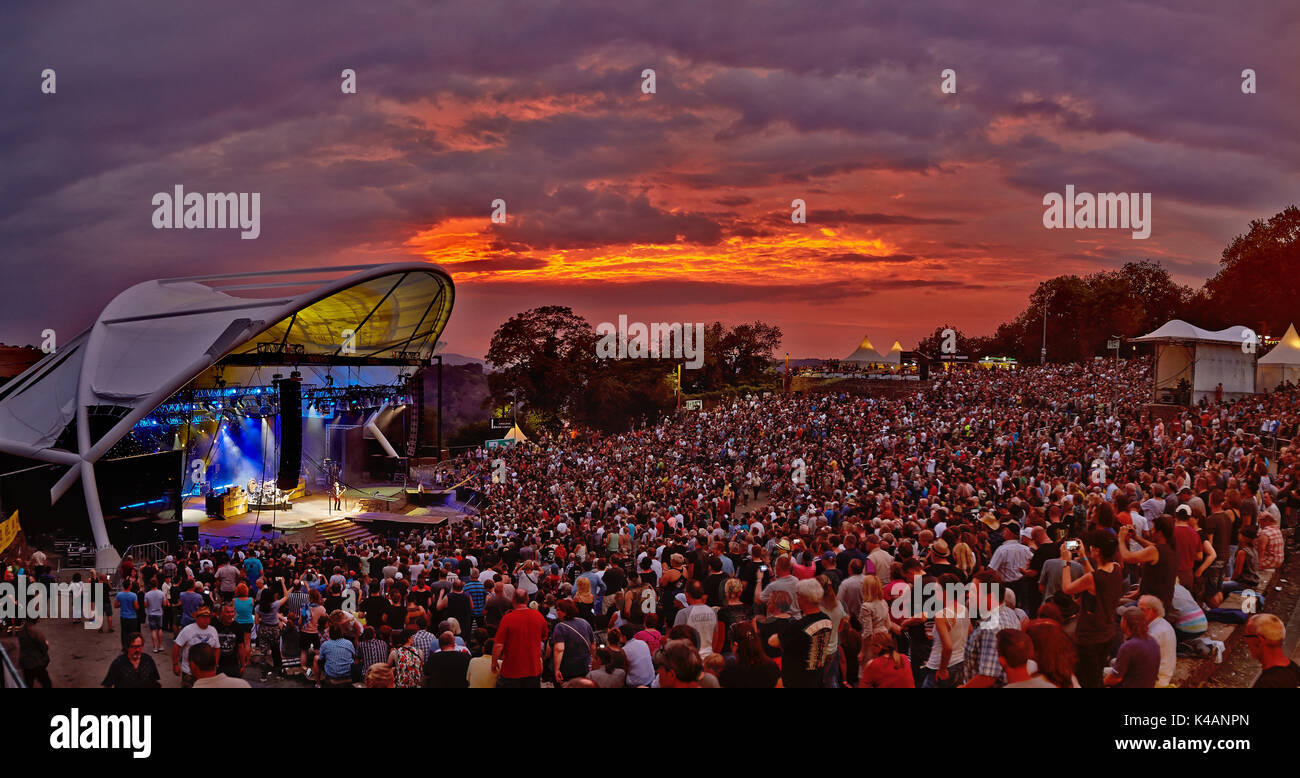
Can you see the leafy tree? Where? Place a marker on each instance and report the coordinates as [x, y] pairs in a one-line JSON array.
[[1084, 312], [1259, 277], [623, 392], [544, 360]]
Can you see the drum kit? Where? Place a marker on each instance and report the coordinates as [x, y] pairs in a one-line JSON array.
[[267, 495]]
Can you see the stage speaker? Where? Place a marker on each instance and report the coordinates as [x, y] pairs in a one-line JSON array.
[[190, 533], [290, 434]]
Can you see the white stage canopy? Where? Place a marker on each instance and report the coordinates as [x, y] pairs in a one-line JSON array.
[[1193, 362], [159, 336]]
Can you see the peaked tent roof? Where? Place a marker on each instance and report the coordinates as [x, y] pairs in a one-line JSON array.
[[1287, 352], [865, 352], [1179, 330], [895, 355], [516, 435]]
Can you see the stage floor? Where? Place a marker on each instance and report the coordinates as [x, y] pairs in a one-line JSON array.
[[307, 512]]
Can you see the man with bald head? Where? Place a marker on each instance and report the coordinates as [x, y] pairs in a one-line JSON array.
[[1265, 637]]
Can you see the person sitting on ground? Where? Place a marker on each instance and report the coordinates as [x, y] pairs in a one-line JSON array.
[[1137, 664]]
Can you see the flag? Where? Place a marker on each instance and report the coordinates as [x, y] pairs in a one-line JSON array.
[[8, 531]]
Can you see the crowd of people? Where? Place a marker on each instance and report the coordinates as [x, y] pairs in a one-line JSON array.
[[1062, 534]]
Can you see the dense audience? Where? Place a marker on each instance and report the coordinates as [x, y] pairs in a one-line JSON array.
[[1039, 527]]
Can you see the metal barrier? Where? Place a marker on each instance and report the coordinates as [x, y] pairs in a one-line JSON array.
[[148, 552], [10, 678]]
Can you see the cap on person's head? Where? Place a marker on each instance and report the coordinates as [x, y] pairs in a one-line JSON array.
[[1184, 510], [939, 548], [829, 556]]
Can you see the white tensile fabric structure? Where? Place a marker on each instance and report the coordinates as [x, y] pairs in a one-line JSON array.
[[516, 435], [159, 336], [895, 355], [865, 353], [1202, 358], [1280, 365]]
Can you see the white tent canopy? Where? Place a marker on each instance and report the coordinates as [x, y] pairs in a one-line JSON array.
[[1179, 330], [1197, 362], [1280, 365], [159, 336], [865, 353], [895, 355], [517, 435]]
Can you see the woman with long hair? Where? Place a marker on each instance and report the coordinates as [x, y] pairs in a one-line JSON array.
[[750, 667], [586, 601], [945, 666], [834, 610], [873, 615], [310, 626], [891, 669], [1054, 652], [963, 558], [268, 624], [244, 619]]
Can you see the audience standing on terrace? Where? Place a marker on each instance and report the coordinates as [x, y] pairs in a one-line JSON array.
[[784, 540]]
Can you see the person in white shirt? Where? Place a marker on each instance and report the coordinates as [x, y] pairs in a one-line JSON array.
[[200, 631], [702, 618], [1011, 555], [1162, 632], [640, 662], [1155, 504]]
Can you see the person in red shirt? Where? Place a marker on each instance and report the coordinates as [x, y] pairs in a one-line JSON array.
[[517, 647], [890, 669], [1187, 547]]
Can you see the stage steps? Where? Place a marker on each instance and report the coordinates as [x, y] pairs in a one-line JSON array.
[[335, 530]]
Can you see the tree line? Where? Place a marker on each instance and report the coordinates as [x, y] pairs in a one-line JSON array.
[[1257, 285]]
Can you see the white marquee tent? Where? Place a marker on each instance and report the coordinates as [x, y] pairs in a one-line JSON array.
[[895, 355], [1203, 359], [1280, 365], [865, 353]]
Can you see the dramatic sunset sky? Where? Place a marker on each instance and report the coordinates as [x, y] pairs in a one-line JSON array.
[[923, 208]]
